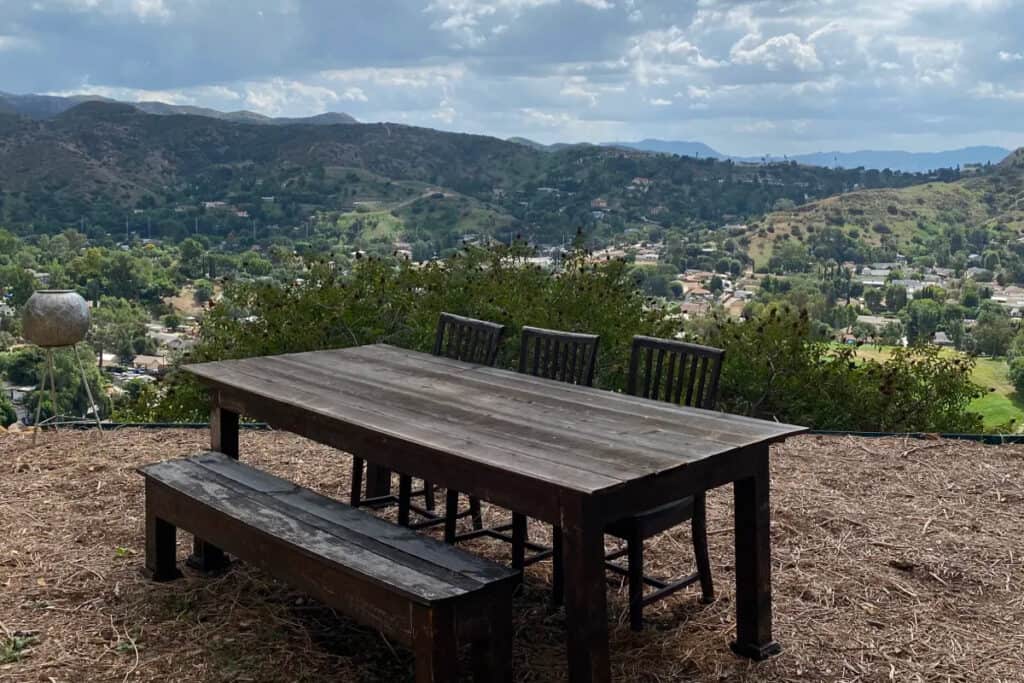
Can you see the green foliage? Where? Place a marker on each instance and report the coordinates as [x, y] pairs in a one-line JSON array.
[[26, 367], [773, 360], [119, 326], [7, 414], [993, 332], [1016, 374], [387, 301]]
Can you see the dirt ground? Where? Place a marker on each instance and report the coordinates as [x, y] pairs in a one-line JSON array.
[[893, 560]]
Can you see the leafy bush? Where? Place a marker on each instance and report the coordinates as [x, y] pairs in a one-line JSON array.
[[775, 369], [778, 366]]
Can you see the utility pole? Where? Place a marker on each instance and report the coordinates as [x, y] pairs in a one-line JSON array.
[[149, 227], [126, 238], [197, 225]]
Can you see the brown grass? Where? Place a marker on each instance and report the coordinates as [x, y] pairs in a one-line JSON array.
[[894, 561]]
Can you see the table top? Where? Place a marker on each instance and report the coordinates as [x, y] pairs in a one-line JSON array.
[[583, 439]]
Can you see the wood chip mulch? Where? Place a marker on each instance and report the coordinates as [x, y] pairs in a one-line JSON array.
[[893, 560]]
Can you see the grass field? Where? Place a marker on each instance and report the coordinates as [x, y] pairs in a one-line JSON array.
[[998, 406]]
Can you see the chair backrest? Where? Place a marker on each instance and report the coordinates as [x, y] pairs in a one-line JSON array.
[[467, 339], [564, 356], [674, 371]]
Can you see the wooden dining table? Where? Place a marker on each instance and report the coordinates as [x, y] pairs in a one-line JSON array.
[[575, 457]]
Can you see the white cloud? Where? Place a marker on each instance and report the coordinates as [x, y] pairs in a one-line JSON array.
[[279, 96], [412, 77], [1005, 56], [597, 4], [659, 102], [11, 43], [996, 91], [128, 94], [775, 53], [150, 9], [354, 95]]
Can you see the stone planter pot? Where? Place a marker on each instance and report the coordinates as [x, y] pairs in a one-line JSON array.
[[55, 317]]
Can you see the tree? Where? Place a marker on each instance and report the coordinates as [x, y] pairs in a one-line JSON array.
[[1016, 374], [7, 414], [873, 299], [896, 298], [993, 332], [118, 326], [171, 321], [923, 318]]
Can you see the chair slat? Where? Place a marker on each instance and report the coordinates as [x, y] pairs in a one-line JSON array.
[[561, 356], [663, 369]]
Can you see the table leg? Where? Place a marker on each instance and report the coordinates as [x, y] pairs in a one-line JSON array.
[[753, 563], [224, 439], [585, 601]]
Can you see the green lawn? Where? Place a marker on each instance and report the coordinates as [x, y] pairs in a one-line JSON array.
[[1000, 405]]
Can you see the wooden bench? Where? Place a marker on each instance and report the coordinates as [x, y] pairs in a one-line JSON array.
[[419, 591]]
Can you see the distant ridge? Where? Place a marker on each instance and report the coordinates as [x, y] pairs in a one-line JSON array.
[[41, 107], [911, 162], [895, 160], [682, 148]]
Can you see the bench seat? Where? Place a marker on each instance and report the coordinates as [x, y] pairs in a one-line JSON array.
[[418, 591]]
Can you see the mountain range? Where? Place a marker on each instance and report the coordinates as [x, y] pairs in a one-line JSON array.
[[894, 160], [47, 106], [100, 163]]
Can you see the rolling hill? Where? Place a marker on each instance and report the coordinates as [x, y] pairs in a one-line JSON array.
[[905, 218], [895, 160], [100, 163], [48, 106]]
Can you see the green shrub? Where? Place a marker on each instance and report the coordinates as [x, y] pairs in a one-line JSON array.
[[778, 364]]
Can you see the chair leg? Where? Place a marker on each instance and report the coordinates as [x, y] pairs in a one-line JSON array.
[[700, 548], [451, 510], [428, 496], [474, 510], [635, 552], [557, 568], [404, 498], [356, 496]]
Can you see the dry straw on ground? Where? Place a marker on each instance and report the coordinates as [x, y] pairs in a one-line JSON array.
[[894, 560]]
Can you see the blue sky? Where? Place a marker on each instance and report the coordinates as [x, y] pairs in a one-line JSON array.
[[745, 77]]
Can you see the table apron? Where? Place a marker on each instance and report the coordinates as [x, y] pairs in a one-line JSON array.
[[533, 497], [697, 477]]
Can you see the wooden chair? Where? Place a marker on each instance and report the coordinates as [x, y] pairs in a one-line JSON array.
[[459, 338], [566, 357], [680, 373]]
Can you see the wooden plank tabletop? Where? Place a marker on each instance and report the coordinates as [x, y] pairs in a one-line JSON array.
[[584, 439]]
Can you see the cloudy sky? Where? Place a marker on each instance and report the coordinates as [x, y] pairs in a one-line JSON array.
[[776, 76]]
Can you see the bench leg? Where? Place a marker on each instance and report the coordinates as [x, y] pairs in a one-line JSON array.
[[492, 658], [161, 547], [435, 645], [223, 439]]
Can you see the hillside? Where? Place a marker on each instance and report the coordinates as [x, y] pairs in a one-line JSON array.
[[100, 163], [907, 218], [48, 106], [895, 160]]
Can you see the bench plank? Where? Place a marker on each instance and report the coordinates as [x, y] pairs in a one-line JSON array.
[[344, 521], [400, 569]]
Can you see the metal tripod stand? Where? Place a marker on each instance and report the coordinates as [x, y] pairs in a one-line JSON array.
[[57, 419]]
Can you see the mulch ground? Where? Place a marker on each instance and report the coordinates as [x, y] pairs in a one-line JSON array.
[[893, 560]]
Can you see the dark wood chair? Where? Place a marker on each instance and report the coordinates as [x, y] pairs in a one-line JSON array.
[[459, 338], [566, 357], [680, 373]]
